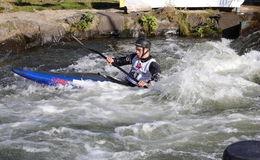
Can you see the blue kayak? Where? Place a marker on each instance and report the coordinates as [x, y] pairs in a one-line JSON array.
[[54, 79]]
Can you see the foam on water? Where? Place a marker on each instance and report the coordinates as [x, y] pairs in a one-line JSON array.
[[207, 98], [217, 76], [31, 149]]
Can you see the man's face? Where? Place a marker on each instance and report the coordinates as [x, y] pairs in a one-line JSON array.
[[139, 51]]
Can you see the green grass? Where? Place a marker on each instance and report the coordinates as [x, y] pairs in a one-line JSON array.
[[84, 23], [1, 9], [33, 5], [183, 24], [149, 24]]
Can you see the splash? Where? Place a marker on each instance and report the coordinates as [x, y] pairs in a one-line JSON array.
[[212, 73]]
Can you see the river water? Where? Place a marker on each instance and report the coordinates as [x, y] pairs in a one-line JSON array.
[[208, 97]]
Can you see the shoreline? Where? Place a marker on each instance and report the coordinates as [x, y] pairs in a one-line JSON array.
[[23, 30]]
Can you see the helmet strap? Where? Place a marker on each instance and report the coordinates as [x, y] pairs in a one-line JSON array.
[[144, 53]]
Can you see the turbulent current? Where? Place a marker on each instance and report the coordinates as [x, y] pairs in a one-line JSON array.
[[208, 98]]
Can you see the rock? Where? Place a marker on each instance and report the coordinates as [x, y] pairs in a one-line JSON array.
[[26, 28], [7, 30], [7, 7], [51, 33], [195, 20], [249, 38], [73, 19], [110, 23], [244, 44], [165, 27]]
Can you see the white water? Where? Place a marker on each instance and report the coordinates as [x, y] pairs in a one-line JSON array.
[[208, 98]]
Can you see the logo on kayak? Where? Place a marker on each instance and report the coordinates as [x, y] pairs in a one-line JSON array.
[[59, 81]]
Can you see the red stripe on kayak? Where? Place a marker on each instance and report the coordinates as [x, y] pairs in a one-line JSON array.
[[59, 81]]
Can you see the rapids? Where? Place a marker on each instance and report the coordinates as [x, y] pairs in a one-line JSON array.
[[208, 97]]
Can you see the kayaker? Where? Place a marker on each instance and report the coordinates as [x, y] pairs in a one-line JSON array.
[[144, 67]]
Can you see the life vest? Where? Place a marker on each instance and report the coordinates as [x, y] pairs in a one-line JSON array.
[[140, 70]]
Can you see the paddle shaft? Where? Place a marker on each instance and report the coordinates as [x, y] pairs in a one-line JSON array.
[[95, 51]]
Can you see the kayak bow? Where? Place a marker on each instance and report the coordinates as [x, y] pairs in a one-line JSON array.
[[54, 79]]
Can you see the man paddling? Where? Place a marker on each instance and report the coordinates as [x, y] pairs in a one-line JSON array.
[[144, 67]]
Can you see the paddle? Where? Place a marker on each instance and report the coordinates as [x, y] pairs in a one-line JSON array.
[[95, 51]]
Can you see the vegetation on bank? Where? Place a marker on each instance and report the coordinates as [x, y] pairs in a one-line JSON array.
[[193, 23], [84, 23], [34, 5], [208, 26], [149, 24], [2, 9]]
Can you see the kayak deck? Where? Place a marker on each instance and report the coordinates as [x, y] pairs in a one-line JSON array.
[[50, 78]]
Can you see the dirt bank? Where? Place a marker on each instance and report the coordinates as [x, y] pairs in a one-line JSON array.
[[23, 30]]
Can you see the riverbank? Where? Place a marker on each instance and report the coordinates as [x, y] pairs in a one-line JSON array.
[[23, 30]]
